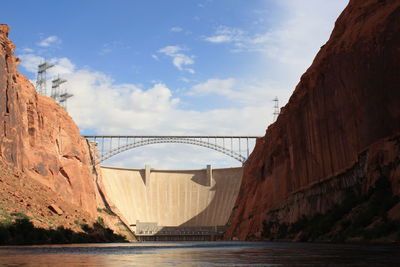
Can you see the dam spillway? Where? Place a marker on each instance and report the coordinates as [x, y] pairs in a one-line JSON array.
[[184, 202]]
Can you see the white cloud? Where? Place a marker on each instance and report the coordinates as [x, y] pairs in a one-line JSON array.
[[226, 34], [296, 40], [105, 50], [214, 86], [62, 65], [191, 71], [243, 93], [27, 50], [116, 108], [170, 50], [109, 107], [219, 39], [155, 57], [30, 62], [179, 59], [184, 79], [101, 104], [293, 41], [285, 49], [110, 47], [49, 41], [176, 29]]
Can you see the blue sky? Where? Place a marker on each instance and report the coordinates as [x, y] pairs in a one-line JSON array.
[[172, 67]]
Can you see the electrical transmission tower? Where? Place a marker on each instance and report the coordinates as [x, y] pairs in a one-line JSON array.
[[276, 108], [41, 77], [58, 93]]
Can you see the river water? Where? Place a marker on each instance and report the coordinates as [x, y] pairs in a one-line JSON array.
[[202, 254]]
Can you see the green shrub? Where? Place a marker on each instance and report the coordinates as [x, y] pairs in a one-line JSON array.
[[23, 232], [19, 215], [282, 231], [398, 237], [109, 212], [100, 220], [4, 235], [376, 203], [267, 233], [299, 225]]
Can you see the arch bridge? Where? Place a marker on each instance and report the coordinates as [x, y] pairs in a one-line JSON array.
[[236, 147]]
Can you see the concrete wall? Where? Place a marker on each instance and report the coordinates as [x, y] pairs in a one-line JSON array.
[[173, 197]]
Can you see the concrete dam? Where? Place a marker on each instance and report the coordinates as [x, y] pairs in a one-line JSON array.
[[173, 204]]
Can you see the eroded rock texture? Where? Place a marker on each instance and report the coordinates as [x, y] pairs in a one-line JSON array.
[[341, 116], [39, 138]]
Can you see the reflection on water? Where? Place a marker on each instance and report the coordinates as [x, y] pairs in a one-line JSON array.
[[202, 254]]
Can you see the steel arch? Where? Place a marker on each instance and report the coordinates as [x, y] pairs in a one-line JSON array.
[[190, 141]]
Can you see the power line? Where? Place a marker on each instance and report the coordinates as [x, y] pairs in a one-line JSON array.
[[59, 93], [41, 77]]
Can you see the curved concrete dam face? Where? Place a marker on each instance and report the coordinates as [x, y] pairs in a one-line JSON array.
[[192, 198]]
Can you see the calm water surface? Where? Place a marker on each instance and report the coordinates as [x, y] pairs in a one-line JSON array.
[[202, 254]]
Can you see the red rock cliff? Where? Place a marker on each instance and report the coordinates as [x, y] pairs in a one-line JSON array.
[[39, 138], [346, 103]]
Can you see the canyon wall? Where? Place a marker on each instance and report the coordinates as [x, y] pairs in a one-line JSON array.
[[39, 139], [339, 128]]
